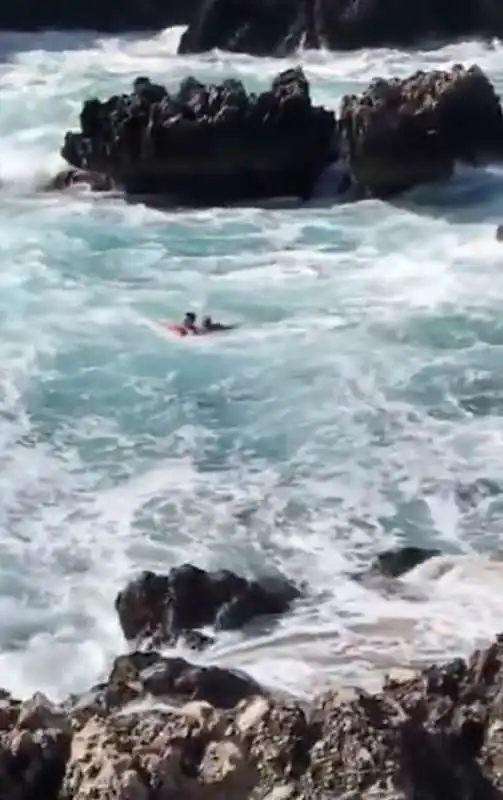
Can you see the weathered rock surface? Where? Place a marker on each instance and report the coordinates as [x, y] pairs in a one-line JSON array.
[[437, 735], [278, 27], [399, 134], [207, 144], [167, 607], [212, 145]]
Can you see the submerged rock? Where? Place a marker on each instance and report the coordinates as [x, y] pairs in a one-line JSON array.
[[397, 562], [401, 133], [67, 178], [263, 27], [167, 607], [207, 144]]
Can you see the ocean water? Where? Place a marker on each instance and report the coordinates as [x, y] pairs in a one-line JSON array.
[[359, 404]]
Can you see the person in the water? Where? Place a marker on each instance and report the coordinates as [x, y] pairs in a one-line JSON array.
[[189, 324], [210, 327], [499, 233]]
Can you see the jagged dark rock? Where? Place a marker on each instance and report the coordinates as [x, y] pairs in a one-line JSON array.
[[212, 145], [167, 607], [402, 133], [207, 144], [277, 27]]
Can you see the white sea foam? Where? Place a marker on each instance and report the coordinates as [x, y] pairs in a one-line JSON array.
[[356, 406]]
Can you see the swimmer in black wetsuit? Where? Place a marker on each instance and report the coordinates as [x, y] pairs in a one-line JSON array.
[[211, 327]]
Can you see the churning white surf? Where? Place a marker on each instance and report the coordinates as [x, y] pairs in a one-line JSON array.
[[356, 406]]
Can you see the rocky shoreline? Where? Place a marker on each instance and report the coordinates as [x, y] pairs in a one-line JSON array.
[[270, 27], [218, 144], [160, 728]]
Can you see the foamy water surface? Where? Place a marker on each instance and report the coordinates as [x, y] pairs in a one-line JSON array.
[[359, 404]]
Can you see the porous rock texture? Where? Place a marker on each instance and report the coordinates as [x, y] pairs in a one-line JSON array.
[[437, 735], [207, 144], [279, 27]]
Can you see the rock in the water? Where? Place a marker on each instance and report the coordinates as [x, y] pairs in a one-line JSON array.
[[395, 563], [80, 177], [207, 144], [167, 607], [402, 133], [277, 27]]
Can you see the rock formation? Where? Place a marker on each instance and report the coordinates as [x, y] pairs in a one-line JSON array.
[[164, 608], [436, 736], [269, 27], [278, 27], [212, 145], [401, 133], [207, 144]]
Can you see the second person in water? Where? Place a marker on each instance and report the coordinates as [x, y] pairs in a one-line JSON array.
[[190, 326]]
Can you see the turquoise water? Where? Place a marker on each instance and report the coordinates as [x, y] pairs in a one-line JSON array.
[[359, 403]]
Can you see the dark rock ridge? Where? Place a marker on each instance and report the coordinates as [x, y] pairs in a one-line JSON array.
[[212, 145], [164, 608], [207, 144], [168, 730], [278, 27], [131, 15]]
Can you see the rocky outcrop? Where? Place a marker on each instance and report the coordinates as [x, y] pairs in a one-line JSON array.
[[400, 560], [213, 145], [141, 675], [131, 15], [163, 608], [207, 144], [436, 736], [402, 133], [278, 27]]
